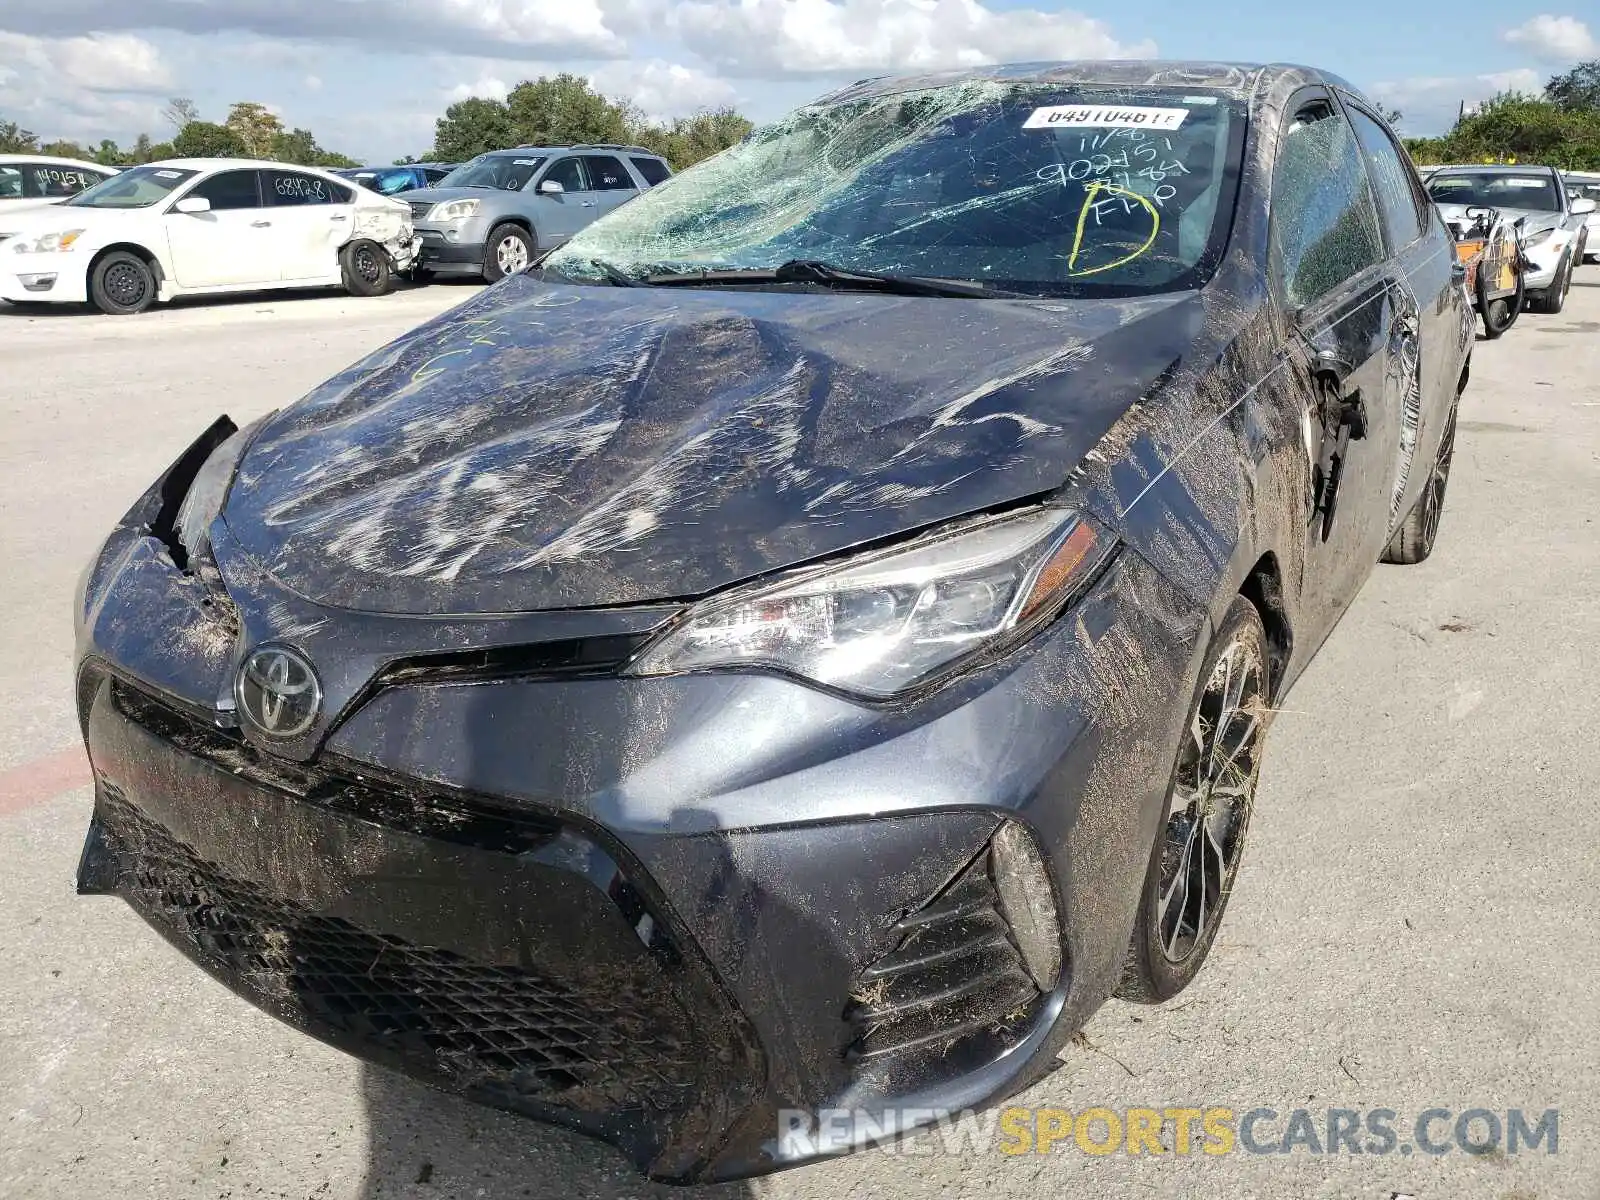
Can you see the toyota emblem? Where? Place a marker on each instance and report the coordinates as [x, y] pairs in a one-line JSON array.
[[277, 691]]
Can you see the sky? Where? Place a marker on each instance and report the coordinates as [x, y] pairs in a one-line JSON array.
[[369, 77]]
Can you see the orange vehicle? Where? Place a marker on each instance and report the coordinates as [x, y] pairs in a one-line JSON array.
[[1492, 253]]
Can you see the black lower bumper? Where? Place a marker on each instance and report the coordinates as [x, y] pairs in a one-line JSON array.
[[437, 254], [560, 996]]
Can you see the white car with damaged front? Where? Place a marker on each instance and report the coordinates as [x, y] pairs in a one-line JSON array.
[[206, 226]]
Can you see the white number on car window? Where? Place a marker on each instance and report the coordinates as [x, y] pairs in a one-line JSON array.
[[303, 186]]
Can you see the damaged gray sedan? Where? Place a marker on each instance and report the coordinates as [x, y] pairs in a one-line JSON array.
[[809, 643]]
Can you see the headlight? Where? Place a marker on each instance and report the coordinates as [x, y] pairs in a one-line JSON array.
[[453, 210], [879, 623], [49, 243], [1537, 239], [203, 501]]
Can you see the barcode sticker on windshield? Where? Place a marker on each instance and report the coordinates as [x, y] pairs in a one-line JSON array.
[[1077, 116]]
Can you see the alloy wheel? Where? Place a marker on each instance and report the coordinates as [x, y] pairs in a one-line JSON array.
[[511, 255], [1434, 497], [1211, 800]]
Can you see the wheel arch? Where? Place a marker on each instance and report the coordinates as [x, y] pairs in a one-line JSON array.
[[1263, 587], [150, 258]]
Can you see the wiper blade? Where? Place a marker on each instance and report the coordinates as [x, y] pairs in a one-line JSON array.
[[614, 275], [801, 270]]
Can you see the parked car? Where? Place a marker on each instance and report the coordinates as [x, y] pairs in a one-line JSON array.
[[30, 181], [1551, 223], [1585, 185], [807, 643], [496, 214], [206, 225], [391, 181]]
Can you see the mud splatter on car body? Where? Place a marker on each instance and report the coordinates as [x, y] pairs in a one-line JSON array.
[[699, 897]]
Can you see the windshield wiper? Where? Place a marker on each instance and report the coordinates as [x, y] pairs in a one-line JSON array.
[[802, 270], [614, 275]]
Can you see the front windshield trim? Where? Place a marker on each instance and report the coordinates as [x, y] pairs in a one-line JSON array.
[[1018, 232]]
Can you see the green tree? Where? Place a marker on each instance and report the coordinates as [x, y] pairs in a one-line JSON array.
[[256, 126], [468, 128], [563, 110], [1577, 90], [1514, 127], [206, 139], [110, 154], [14, 139], [65, 149], [689, 140]]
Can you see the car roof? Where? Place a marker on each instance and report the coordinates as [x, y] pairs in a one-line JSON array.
[[1493, 169], [1238, 79], [524, 151], [56, 160]]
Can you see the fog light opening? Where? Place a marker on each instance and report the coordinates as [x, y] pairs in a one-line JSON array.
[[1027, 902]]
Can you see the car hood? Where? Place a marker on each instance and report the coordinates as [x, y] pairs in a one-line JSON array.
[[10, 209], [433, 195], [546, 447]]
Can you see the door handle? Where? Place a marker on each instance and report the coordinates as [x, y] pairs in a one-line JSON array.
[[588, 204], [339, 217], [260, 224]]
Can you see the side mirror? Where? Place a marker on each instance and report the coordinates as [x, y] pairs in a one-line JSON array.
[[1520, 222], [192, 205], [551, 188], [1582, 208]]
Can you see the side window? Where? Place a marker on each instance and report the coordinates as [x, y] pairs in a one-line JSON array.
[[10, 183], [1404, 211], [606, 174], [229, 190], [289, 189], [567, 173], [1324, 224], [651, 170]]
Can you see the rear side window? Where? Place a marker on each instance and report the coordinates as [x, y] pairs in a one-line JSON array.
[[229, 190], [1401, 201], [651, 170], [46, 181], [606, 174], [10, 183], [1324, 222], [287, 189]]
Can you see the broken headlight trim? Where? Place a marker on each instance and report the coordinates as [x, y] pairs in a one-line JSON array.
[[202, 503], [1538, 238], [453, 210], [49, 243], [880, 623]]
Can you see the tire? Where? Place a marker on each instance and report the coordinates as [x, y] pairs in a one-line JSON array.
[[1413, 541], [366, 270], [1554, 298], [1221, 748], [1501, 315], [121, 284], [509, 249]]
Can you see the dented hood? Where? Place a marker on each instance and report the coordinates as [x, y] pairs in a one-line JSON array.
[[547, 447]]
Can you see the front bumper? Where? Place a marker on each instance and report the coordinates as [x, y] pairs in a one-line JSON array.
[[457, 247], [662, 911], [1546, 259], [61, 278]]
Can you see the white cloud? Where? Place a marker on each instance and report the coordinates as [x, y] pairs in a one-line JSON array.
[[1554, 39], [663, 90], [312, 83], [820, 37], [488, 87], [1429, 104], [81, 88], [417, 26]]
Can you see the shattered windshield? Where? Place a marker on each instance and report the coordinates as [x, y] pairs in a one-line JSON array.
[[1495, 189], [504, 172], [1044, 189]]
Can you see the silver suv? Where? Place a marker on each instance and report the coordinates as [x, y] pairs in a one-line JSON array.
[[500, 212]]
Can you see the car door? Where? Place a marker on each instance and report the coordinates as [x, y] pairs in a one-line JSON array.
[[556, 217], [1331, 280], [311, 218], [1427, 347], [230, 244], [609, 182]]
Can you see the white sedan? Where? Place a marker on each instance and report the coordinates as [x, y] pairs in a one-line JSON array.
[[29, 181], [197, 226]]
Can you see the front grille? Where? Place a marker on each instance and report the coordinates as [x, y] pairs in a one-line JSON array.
[[954, 972], [454, 818], [420, 208], [620, 1040]]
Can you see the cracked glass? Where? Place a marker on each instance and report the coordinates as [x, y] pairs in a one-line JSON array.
[[1044, 189]]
